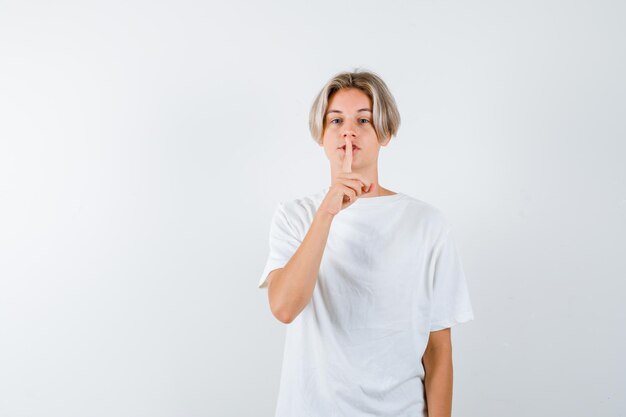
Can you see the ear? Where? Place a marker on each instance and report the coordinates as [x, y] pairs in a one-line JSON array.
[[386, 142]]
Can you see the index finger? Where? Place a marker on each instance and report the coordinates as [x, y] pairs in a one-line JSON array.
[[347, 159]]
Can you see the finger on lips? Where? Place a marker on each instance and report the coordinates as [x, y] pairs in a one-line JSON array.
[[347, 159], [347, 166]]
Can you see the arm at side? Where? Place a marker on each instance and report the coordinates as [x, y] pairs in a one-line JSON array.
[[437, 361]]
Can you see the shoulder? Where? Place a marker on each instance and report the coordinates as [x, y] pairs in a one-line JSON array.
[[301, 210], [301, 202], [431, 216]]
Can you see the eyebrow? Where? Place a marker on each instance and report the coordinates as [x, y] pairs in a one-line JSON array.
[[339, 111]]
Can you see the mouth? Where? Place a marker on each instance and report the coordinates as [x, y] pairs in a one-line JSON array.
[[354, 148]]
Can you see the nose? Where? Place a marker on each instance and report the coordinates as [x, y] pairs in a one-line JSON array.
[[348, 131]]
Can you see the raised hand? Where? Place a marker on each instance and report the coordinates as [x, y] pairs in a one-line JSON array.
[[346, 187]]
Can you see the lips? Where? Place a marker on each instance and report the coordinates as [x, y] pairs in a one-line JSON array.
[[354, 147]]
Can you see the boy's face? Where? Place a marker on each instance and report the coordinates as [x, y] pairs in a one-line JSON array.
[[349, 115]]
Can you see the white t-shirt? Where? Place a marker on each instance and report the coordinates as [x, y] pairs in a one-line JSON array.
[[389, 275]]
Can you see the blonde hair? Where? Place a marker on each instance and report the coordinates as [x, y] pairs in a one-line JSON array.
[[386, 118]]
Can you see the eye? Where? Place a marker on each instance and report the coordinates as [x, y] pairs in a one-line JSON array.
[[366, 120], [331, 122]]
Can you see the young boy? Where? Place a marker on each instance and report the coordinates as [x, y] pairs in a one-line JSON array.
[[369, 280]]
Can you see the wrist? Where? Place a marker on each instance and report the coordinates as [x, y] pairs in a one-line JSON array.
[[324, 216]]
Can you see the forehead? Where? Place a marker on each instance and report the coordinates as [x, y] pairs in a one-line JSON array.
[[349, 100]]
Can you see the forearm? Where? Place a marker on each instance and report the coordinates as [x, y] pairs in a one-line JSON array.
[[291, 290], [438, 382]]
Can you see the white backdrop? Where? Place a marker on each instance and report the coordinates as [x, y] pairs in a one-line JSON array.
[[144, 146]]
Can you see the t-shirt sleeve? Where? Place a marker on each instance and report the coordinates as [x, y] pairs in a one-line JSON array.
[[283, 243], [451, 303]]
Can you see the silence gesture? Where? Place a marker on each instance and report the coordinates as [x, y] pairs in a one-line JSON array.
[[346, 187]]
